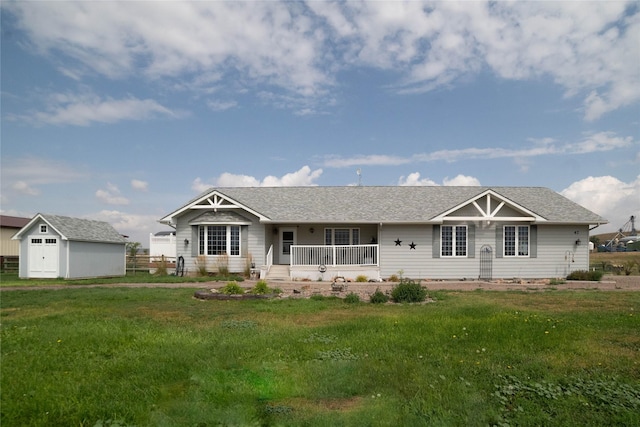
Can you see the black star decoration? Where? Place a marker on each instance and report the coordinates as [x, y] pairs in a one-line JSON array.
[[398, 242], [412, 245]]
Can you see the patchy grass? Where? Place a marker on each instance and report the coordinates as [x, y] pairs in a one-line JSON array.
[[158, 357], [12, 280]]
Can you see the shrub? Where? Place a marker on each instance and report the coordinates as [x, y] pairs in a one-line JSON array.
[[628, 266], [248, 265], [232, 288], [261, 288], [393, 278], [593, 276], [379, 297], [361, 278], [408, 291], [201, 265], [352, 298], [161, 267], [222, 264]]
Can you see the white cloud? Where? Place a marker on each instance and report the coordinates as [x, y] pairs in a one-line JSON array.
[[587, 48], [24, 188], [607, 196], [137, 184], [415, 180], [137, 227], [462, 180], [590, 143], [27, 174], [221, 105], [111, 195], [87, 108], [302, 177]]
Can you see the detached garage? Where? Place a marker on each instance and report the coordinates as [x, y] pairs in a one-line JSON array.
[[72, 248]]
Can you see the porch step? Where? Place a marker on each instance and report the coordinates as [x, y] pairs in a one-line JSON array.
[[279, 273]]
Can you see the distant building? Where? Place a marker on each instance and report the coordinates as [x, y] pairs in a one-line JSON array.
[[10, 249]]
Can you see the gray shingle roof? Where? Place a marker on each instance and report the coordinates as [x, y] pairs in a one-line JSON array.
[[391, 204], [84, 229]]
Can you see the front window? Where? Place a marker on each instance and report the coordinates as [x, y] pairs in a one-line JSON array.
[[219, 240], [454, 240], [43, 228], [342, 236], [516, 240]]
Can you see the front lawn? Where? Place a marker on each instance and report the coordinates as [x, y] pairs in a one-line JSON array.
[[12, 280], [158, 357]]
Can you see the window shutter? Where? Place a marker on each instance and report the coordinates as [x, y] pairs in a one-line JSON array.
[[499, 241], [533, 241], [194, 241], [471, 241], [244, 240], [435, 242]]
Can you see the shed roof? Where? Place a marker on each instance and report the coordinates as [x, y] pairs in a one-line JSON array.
[[391, 204], [77, 229]]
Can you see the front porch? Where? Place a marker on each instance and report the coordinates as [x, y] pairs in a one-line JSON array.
[[325, 262]]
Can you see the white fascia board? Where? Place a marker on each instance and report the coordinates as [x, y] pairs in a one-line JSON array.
[[195, 205], [18, 235], [444, 216]]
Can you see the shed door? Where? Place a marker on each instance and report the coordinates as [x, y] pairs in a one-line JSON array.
[[43, 257]]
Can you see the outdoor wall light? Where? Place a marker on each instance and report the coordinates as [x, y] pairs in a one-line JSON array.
[[578, 242], [312, 230], [186, 242]]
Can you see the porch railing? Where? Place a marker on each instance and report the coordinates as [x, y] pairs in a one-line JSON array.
[[334, 255]]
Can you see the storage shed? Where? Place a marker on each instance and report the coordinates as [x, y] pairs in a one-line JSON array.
[[72, 248]]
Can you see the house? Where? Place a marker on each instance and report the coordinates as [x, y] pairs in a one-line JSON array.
[[9, 249], [58, 246], [428, 232]]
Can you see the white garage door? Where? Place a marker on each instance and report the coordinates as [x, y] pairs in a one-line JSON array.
[[43, 257]]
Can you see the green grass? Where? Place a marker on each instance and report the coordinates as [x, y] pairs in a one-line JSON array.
[[12, 280], [158, 357]]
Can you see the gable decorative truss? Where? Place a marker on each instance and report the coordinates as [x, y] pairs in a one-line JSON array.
[[489, 206], [212, 201]]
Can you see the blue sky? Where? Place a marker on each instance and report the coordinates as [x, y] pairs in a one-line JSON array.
[[124, 111]]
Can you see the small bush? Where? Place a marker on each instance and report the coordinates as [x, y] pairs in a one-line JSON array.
[[161, 267], [201, 265], [393, 278], [352, 298], [379, 297], [261, 288], [593, 276], [222, 264], [408, 291], [232, 288], [361, 278]]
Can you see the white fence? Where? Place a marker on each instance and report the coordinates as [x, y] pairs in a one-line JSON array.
[[334, 255], [162, 245]]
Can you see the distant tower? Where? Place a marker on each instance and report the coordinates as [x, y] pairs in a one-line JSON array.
[[359, 172]]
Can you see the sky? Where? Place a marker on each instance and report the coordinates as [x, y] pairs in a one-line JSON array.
[[124, 111]]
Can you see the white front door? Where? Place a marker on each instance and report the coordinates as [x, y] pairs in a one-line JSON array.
[[287, 238], [43, 257]]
